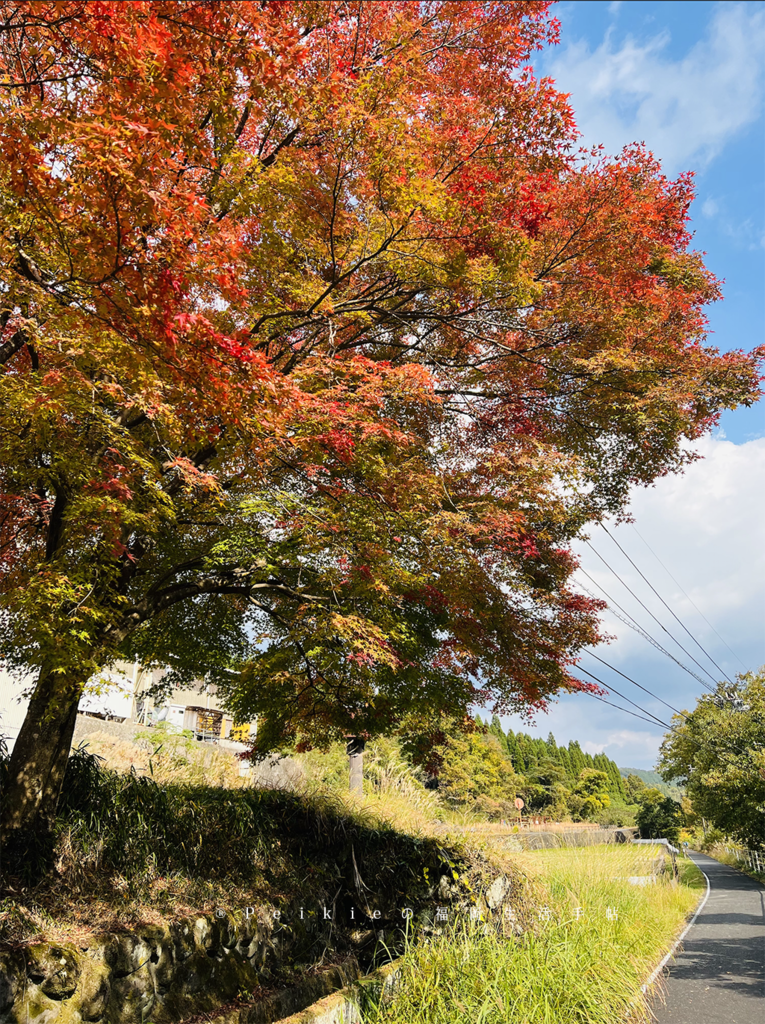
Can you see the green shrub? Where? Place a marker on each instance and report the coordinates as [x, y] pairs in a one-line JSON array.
[[619, 817], [660, 819]]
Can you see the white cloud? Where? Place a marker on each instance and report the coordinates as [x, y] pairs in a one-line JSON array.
[[705, 555], [639, 745], [708, 529], [593, 748], [643, 744], [747, 233], [684, 110]]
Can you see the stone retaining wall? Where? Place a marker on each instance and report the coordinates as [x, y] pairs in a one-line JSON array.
[[162, 973], [166, 973], [346, 1006]]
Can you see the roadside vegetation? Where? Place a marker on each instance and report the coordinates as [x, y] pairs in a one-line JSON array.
[[595, 941], [717, 751], [710, 840], [476, 777], [138, 832], [130, 848]]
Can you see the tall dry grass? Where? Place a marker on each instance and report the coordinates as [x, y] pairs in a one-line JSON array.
[[168, 757], [596, 939]]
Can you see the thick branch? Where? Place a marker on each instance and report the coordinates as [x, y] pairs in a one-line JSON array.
[[55, 526], [16, 342], [232, 582]]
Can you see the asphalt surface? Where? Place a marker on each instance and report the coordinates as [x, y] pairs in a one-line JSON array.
[[718, 976]]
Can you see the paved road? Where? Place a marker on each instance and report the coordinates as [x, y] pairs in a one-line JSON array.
[[719, 976]]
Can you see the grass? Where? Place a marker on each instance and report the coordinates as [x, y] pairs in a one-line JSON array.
[[595, 940], [169, 758]]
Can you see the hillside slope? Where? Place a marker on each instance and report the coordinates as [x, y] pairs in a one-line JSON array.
[[654, 780]]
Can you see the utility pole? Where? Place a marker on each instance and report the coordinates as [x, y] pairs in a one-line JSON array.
[[355, 749]]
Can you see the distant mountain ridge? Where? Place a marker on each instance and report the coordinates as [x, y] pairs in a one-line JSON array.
[[654, 780]]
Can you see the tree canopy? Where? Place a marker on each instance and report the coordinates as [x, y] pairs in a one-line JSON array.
[[320, 341], [553, 780], [718, 752], [659, 817]]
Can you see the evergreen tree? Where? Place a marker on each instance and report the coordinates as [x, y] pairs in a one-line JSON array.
[[620, 781], [513, 752], [606, 765], [495, 729], [613, 775], [633, 788], [527, 751], [578, 763], [516, 752]]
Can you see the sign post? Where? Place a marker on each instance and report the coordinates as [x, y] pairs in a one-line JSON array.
[[519, 804]]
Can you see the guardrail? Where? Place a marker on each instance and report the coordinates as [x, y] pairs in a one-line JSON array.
[[752, 857], [673, 851]]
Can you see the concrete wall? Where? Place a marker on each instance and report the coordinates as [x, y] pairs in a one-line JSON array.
[[573, 837]]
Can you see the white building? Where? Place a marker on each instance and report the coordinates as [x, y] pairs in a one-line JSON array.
[[13, 706], [120, 694]]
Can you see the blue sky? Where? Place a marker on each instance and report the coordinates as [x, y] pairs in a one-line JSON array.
[[688, 79]]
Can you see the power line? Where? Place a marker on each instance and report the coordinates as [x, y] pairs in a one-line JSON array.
[[671, 612], [625, 710], [645, 689], [612, 689], [639, 685], [660, 624], [653, 720], [630, 621], [689, 598]]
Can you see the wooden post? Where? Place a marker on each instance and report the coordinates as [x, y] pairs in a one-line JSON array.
[[355, 748]]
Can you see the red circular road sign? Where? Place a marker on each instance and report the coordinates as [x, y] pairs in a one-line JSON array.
[[519, 803]]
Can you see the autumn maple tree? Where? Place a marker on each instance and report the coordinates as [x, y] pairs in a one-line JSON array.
[[320, 341]]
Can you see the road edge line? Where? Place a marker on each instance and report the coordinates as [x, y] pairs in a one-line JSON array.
[[654, 975]]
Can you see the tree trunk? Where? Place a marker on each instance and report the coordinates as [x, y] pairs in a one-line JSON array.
[[38, 761]]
